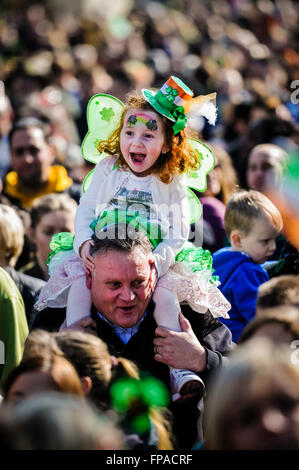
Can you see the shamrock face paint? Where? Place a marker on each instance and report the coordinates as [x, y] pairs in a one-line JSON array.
[[143, 118], [142, 140]]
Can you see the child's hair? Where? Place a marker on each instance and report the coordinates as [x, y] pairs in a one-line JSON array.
[[244, 208], [279, 291], [180, 157], [48, 203], [39, 342], [90, 356], [11, 235], [61, 371]]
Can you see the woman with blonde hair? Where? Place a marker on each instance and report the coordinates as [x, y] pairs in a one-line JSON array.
[[11, 246]]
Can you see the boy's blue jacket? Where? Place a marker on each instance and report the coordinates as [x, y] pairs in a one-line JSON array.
[[240, 278]]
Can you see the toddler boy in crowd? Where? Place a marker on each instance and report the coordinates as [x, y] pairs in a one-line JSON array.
[[252, 224]]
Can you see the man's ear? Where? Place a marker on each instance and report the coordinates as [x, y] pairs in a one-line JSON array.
[[88, 280], [153, 273], [236, 238]]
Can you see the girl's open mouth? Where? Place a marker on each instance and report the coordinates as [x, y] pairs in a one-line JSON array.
[[137, 158]]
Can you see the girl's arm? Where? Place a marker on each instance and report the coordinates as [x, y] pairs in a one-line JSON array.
[[179, 226], [86, 211]]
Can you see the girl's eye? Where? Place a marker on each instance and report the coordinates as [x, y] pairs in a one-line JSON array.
[[129, 133], [149, 136]]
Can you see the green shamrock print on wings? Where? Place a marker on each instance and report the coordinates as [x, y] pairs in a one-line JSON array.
[[103, 117], [107, 114]]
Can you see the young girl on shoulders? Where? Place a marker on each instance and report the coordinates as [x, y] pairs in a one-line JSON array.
[[141, 184]]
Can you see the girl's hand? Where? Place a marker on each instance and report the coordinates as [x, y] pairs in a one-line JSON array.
[[87, 259]]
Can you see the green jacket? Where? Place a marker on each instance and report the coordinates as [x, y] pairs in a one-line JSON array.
[[13, 325]]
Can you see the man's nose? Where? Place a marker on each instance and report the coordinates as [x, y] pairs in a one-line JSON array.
[[28, 157], [127, 294]]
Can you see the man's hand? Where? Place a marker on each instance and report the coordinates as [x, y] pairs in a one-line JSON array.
[[180, 350], [87, 259], [86, 324]]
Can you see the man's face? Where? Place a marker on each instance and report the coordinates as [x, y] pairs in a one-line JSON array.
[[31, 156], [121, 286]]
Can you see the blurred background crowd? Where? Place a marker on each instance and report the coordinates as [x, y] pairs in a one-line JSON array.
[[54, 57], [56, 54]]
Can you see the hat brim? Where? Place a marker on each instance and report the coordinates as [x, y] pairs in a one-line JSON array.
[[149, 95]]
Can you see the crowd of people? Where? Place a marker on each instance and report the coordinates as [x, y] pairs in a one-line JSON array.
[[128, 342]]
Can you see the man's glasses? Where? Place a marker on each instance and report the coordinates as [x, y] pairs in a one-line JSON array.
[[19, 151]]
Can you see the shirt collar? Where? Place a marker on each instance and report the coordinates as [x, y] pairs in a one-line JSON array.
[[125, 334]]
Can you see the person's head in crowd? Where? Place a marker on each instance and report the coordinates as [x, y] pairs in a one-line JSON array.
[[170, 154], [275, 130], [252, 223], [266, 163], [222, 180], [32, 160], [90, 357], [53, 421], [40, 342], [45, 372], [281, 325], [97, 369], [11, 236], [264, 413], [31, 152], [127, 264], [50, 214], [281, 291]]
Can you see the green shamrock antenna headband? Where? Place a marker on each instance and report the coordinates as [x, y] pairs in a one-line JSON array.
[[174, 101]]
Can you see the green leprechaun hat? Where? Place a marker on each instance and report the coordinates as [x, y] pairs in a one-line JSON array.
[[175, 100]]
